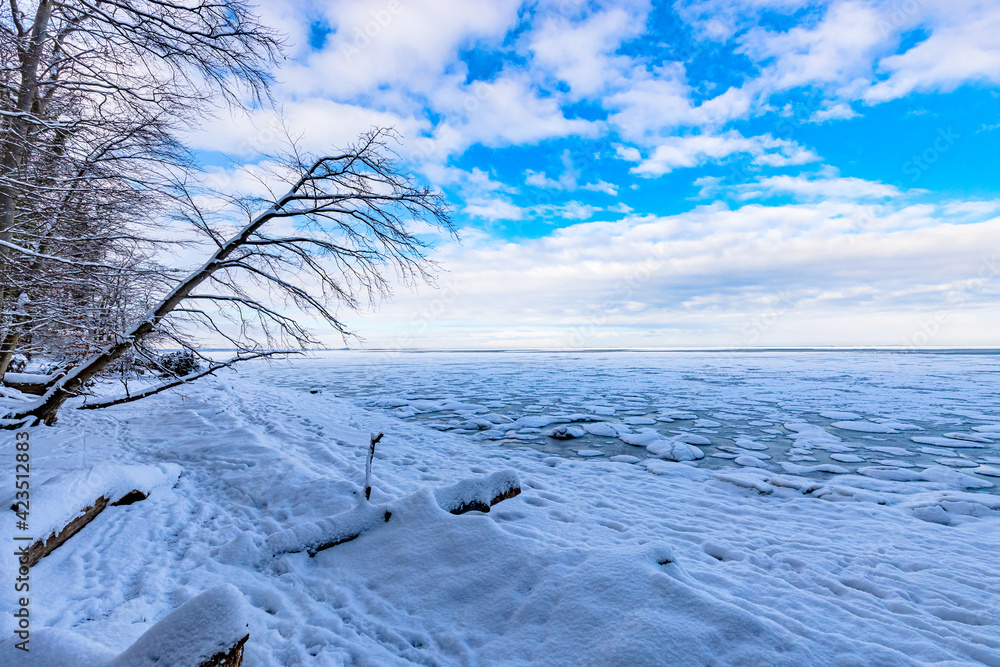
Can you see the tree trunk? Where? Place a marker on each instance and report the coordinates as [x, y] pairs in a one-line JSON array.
[[71, 384], [7, 348]]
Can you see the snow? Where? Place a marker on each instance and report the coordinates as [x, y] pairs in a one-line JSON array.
[[479, 490], [675, 450], [602, 429], [625, 558], [566, 432], [62, 498], [846, 458], [211, 623], [863, 426], [946, 442], [692, 439], [28, 378], [839, 414]]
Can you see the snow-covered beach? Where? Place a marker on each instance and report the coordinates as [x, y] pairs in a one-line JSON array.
[[601, 559]]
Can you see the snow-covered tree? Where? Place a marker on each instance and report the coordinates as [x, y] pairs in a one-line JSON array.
[[93, 94], [339, 235]]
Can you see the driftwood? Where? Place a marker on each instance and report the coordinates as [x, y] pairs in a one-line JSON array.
[[210, 630], [477, 494], [231, 658], [346, 538], [44, 547]]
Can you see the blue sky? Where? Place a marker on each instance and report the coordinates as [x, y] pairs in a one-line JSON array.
[[671, 174]]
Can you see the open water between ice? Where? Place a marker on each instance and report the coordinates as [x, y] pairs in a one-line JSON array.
[[888, 415]]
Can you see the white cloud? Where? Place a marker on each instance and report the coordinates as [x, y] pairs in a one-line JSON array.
[[321, 125], [696, 279], [581, 53], [651, 103], [830, 187], [409, 45], [494, 209], [506, 111], [962, 47], [709, 186], [573, 210], [837, 51], [601, 186], [691, 151], [568, 180], [839, 111]]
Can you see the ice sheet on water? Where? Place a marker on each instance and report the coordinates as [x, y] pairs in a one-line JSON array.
[[946, 442], [827, 412], [839, 414], [863, 426]]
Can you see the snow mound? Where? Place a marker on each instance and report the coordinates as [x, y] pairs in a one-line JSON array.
[[343, 527], [479, 492], [55, 647], [823, 467], [692, 439], [970, 437], [566, 432], [538, 421], [605, 429], [641, 439], [212, 623], [675, 450], [863, 426]]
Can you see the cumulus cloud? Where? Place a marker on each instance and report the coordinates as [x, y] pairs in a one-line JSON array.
[[568, 180], [962, 47], [826, 186], [691, 151]]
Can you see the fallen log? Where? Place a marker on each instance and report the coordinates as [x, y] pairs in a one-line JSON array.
[[315, 536], [477, 494], [43, 548], [55, 514], [210, 630], [28, 383]]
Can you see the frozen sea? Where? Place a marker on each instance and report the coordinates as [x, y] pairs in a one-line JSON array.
[[887, 415], [765, 508]]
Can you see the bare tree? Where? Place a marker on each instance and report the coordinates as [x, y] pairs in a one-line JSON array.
[[92, 96], [351, 231]]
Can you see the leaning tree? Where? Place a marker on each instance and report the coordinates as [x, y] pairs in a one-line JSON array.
[[341, 234], [93, 97]]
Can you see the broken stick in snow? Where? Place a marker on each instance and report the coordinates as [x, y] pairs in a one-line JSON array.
[[368, 466]]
